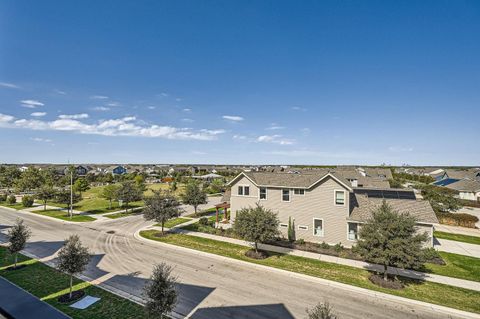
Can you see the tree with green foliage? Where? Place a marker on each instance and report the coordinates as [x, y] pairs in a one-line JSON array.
[[173, 186], [128, 192], [27, 201], [73, 258], [291, 230], [140, 182], [63, 197], [8, 176], [11, 199], [45, 193], [30, 179], [109, 192], [81, 185], [321, 311], [160, 292], [17, 238], [161, 207], [216, 186], [390, 238], [441, 199], [194, 195], [256, 225]]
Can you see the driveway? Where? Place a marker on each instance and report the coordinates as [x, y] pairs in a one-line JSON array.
[[457, 247], [209, 287]]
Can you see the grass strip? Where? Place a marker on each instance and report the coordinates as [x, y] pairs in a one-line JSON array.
[[458, 237], [430, 292]]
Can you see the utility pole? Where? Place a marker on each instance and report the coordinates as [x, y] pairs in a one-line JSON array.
[[71, 192]]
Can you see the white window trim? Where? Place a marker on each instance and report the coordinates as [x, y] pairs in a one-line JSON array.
[[323, 227], [348, 233], [266, 193], [289, 195], [300, 189], [335, 197], [244, 185]]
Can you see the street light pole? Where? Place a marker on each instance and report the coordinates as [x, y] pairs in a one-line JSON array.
[[71, 192]]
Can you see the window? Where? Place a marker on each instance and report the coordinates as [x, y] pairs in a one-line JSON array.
[[299, 191], [283, 225], [243, 190], [285, 195], [263, 193], [301, 227], [352, 231], [318, 227], [340, 198]]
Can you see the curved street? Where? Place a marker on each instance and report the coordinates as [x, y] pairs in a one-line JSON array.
[[208, 287]]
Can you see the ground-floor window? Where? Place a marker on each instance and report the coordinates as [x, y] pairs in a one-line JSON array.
[[318, 227], [352, 231]]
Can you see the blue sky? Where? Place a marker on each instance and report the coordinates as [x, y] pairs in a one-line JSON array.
[[281, 82]]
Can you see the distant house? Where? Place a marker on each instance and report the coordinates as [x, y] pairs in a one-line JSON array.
[[80, 170], [323, 204], [119, 170], [466, 188]]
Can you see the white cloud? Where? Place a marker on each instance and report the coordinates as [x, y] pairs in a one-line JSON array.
[[113, 104], [74, 116], [274, 127], [233, 118], [60, 92], [127, 126], [31, 103], [38, 114], [101, 108], [187, 110], [239, 137], [298, 108], [188, 120], [275, 139], [99, 97], [400, 149], [39, 139], [178, 99], [164, 94], [151, 107], [9, 85], [199, 153]]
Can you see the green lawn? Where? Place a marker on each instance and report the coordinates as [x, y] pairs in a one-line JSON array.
[[16, 206], [47, 284], [445, 295], [457, 237], [163, 187], [174, 222], [63, 215], [458, 266]]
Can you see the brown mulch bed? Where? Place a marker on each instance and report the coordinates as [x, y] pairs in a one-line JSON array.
[[317, 248], [390, 283], [261, 254], [76, 295]]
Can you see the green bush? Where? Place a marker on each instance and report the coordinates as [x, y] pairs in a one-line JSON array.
[[300, 241], [460, 219], [11, 199], [324, 245], [3, 197], [203, 221], [27, 201], [338, 247]]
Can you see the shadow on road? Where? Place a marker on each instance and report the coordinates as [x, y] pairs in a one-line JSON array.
[[273, 311], [42, 249]]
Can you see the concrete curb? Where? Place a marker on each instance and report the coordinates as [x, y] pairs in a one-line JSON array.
[[43, 216], [330, 283]]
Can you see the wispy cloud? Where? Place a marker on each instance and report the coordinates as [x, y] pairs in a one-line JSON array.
[[151, 107], [298, 108], [98, 97], [275, 139], [9, 85], [31, 103], [178, 99], [186, 120], [38, 114], [233, 118], [60, 92], [400, 149], [113, 104], [164, 94], [101, 108], [39, 139], [126, 126], [74, 116], [239, 137], [199, 153], [187, 110], [274, 127]]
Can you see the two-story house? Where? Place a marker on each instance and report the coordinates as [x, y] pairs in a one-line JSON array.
[[323, 204]]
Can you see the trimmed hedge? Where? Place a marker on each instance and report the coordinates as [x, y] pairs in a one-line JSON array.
[[460, 219], [27, 201], [11, 199]]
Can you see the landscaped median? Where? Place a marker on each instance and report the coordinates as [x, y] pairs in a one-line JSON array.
[[435, 293], [457, 237], [48, 284], [63, 215]]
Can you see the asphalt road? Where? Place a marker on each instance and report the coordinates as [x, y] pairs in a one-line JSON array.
[[208, 287]]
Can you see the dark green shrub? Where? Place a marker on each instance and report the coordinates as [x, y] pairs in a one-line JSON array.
[[324, 245], [27, 201], [203, 221], [11, 199], [3, 197], [300, 241], [460, 219], [338, 247]]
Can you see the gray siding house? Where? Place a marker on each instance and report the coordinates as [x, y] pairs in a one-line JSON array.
[[324, 205]]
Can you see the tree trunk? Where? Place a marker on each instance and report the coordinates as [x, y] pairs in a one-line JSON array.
[[126, 207], [256, 247], [71, 284], [385, 277], [195, 209], [16, 257], [44, 205], [110, 204], [163, 223]]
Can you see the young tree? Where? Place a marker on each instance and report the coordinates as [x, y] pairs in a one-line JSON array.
[[291, 229], [160, 292], [173, 186], [63, 197], [194, 195], [9, 176], [390, 239], [17, 238], [81, 185], [256, 224], [73, 258], [161, 207], [30, 179], [321, 311], [45, 193], [109, 192], [128, 192]]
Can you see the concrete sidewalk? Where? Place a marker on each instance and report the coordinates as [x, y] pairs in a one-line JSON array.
[[458, 230], [462, 283], [457, 247], [18, 303]]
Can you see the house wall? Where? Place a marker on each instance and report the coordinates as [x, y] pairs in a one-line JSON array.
[[468, 195], [318, 202]]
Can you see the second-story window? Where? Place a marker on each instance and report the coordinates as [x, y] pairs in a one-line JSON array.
[[285, 195], [263, 193], [243, 190], [297, 191], [340, 198]]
